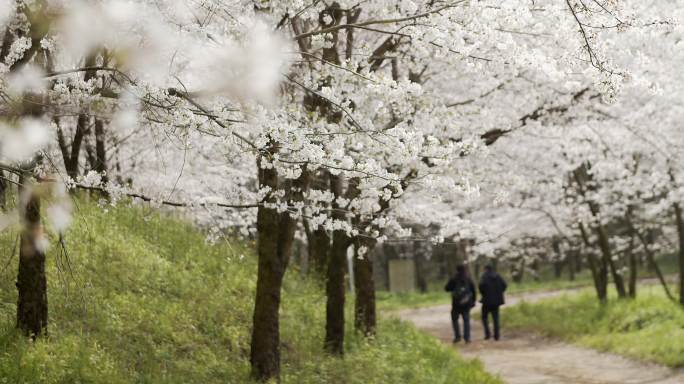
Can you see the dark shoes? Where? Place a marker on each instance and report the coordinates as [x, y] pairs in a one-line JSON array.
[[456, 340]]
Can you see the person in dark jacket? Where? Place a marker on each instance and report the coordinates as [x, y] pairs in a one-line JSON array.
[[492, 287], [463, 296]]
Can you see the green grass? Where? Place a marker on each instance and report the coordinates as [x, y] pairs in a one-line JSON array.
[[649, 328], [145, 299]]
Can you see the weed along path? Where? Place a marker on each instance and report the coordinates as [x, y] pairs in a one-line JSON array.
[[524, 358]]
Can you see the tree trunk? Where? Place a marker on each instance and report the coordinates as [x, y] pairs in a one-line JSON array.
[[32, 305], [604, 245], [100, 150], [571, 264], [518, 271], [275, 233], [680, 233], [419, 262], [71, 165], [334, 288], [598, 268], [632, 259], [558, 269], [318, 246], [318, 239], [4, 186], [364, 306], [654, 265], [72, 155]]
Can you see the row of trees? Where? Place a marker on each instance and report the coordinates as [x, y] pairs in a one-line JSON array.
[[335, 120], [602, 178]]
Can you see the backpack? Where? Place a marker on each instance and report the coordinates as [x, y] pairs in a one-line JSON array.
[[461, 293]]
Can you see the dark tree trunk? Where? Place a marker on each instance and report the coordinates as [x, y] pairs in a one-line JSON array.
[[4, 186], [318, 239], [100, 150], [335, 292], [518, 271], [654, 265], [419, 262], [558, 269], [583, 178], [535, 268], [364, 306], [265, 352], [598, 268], [275, 233], [82, 128], [571, 264], [32, 305], [318, 246], [71, 154], [632, 260], [334, 287], [679, 218], [604, 245]]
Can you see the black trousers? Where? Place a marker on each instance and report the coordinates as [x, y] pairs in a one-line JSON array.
[[494, 312], [465, 315]]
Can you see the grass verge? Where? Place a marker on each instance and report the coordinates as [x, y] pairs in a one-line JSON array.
[[649, 328], [143, 298]]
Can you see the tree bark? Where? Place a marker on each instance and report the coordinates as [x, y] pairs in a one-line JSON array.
[[604, 245], [598, 268], [364, 306], [100, 150], [632, 259], [318, 239], [654, 265], [318, 246], [419, 262], [71, 154], [560, 260], [275, 233], [518, 271], [571, 264], [4, 186], [334, 288], [582, 177], [679, 218], [32, 304]]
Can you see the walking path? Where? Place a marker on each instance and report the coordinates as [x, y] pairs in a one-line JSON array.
[[524, 358]]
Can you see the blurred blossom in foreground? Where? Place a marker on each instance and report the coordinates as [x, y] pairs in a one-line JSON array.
[[132, 33], [6, 11], [251, 70], [59, 213], [28, 79], [20, 142]]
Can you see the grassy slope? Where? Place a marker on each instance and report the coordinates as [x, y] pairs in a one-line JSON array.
[[148, 301], [649, 328]]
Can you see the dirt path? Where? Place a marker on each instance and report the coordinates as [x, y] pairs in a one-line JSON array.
[[522, 358]]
